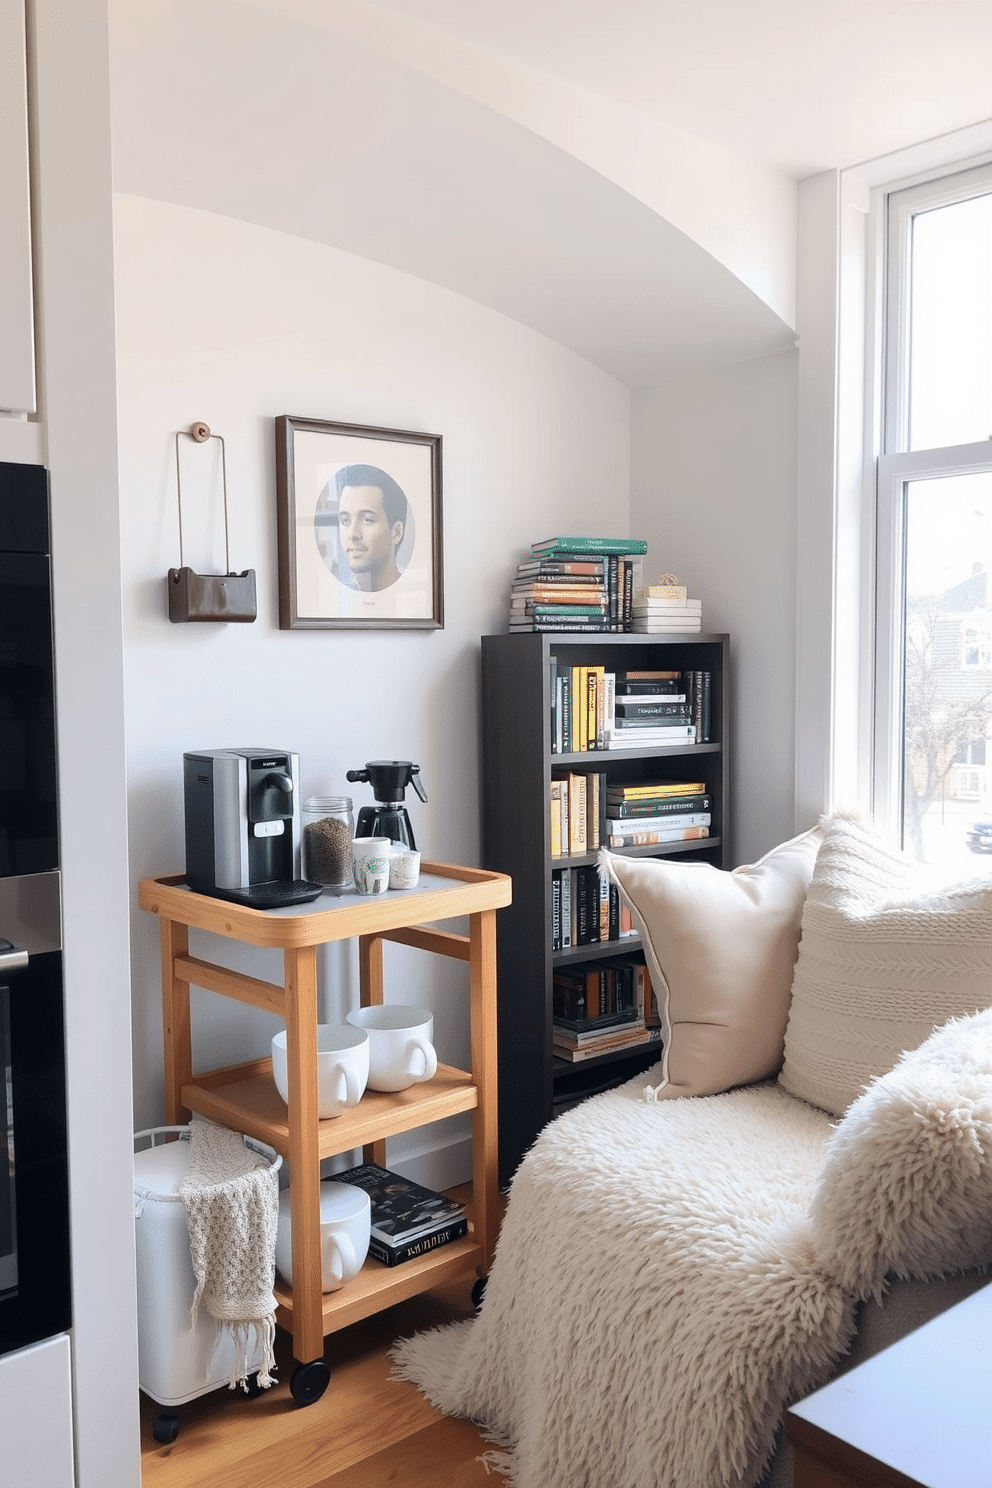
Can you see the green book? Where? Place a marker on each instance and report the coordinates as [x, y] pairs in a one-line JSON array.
[[622, 545], [563, 609]]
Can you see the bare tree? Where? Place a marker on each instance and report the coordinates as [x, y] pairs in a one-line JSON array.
[[944, 712]]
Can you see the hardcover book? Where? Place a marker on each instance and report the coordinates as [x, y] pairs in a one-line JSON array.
[[655, 788], [577, 546], [394, 1255]]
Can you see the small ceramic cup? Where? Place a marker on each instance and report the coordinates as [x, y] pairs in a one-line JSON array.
[[404, 867], [345, 1221], [371, 856], [342, 1067], [401, 1044]]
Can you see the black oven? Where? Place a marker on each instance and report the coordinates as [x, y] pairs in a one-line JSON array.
[[34, 1200]]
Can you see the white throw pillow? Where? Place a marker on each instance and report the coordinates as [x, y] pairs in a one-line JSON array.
[[906, 1187], [887, 955], [721, 948]]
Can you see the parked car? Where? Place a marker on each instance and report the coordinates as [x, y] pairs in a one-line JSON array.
[[979, 833]]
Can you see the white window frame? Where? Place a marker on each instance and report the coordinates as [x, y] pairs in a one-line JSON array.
[[841, 733]]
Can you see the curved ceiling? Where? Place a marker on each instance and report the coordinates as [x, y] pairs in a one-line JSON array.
[[493, 150]]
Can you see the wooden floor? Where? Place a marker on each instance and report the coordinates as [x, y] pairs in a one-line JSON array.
[[366, 1430]]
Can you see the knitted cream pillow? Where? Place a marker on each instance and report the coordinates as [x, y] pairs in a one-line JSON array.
[[721, 948], [886, 956]]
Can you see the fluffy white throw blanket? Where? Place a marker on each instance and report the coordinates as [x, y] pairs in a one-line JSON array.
[[231, 1198], [671, 1276]]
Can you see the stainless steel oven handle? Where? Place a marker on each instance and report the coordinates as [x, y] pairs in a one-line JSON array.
[[12, 958]]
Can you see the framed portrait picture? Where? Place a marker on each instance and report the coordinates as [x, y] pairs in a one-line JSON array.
[[359, 527]]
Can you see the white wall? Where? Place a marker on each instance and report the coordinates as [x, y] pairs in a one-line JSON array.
[[713, 489], [236, 324]]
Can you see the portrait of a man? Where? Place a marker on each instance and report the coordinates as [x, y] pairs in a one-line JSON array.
[[372, 518]]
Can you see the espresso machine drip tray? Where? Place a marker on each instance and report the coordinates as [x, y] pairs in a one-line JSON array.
[[272, 895]]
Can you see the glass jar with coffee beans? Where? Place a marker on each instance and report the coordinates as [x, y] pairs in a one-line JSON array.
[[328, 829]]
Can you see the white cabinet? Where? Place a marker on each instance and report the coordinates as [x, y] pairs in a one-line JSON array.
[[36, 1416], [17, 380]]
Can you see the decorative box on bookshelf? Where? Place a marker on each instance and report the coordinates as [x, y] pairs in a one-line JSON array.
[[548, 808]]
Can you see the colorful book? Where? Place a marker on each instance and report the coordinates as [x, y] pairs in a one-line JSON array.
[[556, 836], [574, 567], [659, 806], [577, 623], [579, 545], [621, 826], [637, 792], [543, 608], [657, 834], [645, 1036], [650, 708]]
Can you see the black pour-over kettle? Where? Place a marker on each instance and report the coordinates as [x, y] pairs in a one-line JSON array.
[[388, 817]]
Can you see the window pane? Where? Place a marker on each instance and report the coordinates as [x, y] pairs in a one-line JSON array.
[[950, 370], [948, 670]]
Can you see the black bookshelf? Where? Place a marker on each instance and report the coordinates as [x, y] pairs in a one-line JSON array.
[[517, 766]]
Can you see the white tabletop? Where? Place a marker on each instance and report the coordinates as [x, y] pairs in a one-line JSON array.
[[924, 1405]]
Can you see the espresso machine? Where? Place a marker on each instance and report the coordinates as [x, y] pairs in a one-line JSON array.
[[243, 826], [388, 817]]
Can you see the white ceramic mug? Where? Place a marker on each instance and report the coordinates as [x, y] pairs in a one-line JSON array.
[[401, 1044], [345, 1221], [371, 858], [342, 1067], [404, 867]]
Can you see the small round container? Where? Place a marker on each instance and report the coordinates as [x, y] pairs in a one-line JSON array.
[[328, 830]]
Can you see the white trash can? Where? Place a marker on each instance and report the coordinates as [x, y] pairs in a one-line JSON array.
[[176, 1361]]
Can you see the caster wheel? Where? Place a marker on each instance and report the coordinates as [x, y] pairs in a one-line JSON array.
[[165, 1428], [252, 1388], [479, 1292], [309, 1382]]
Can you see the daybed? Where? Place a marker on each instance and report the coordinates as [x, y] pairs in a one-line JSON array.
[[685, 1256]]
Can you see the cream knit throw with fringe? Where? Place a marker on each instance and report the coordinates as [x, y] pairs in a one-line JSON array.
[[231, 1198]]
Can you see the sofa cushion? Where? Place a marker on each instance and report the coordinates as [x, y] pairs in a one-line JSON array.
[[906, 1186], [721, 948], [887, 954]]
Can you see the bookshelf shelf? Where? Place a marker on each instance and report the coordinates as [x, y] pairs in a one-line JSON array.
[[518, 763]]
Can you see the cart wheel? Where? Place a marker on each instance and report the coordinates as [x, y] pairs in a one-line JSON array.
[[479, 1292], [165, 1428], [309, 1381]]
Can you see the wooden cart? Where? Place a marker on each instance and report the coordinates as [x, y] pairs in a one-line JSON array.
[[244, 1097]]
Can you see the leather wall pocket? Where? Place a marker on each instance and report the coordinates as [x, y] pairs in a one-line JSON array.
[[194, 596]]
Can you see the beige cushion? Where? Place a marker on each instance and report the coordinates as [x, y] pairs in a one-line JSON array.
[[887, 955], [906, 1187], [721, 948]]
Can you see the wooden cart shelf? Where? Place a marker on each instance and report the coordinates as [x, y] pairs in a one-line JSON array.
[[244, 1096]]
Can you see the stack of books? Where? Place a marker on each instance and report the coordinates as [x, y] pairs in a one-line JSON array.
[[651, 812], [664, 609], [576, 583], [648, 707], [408, 1220], [603, 1007]]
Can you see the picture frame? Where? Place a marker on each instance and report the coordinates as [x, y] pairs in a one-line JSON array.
[[359, 527]]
